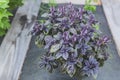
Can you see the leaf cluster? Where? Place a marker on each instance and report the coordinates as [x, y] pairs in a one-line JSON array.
[[70, 35], [5, 7]]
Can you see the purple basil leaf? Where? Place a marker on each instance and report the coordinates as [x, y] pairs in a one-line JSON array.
[[47, 23], [47, 46], [58, 36], [49, 68], [58, 55], [55, 48], [73, 31], [91, 66], [48, 39], [65, 55], [45, 15], [46, 62], [71, 70]]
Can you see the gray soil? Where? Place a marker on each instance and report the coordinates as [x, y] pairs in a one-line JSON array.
[[110, 71]]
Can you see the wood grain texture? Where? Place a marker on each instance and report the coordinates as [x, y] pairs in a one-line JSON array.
[[112, 12], [16, 42], [73, 1]]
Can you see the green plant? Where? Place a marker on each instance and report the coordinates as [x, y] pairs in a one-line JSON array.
[[88, 5], [4, 16], [5, 7], [14, 4], [52, 2]]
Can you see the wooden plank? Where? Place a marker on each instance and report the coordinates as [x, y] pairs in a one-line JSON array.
[[16, 42], [112, 12], [73, 1]]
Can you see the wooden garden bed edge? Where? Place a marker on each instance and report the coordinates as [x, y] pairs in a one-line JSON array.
[[16, 42]]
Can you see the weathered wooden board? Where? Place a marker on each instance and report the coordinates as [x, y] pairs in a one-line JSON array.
[[73, 1], [16, 42], [112, 12]]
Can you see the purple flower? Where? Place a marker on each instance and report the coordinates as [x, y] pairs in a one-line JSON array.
[[91, 66]]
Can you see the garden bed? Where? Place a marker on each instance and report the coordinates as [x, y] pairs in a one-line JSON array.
[[110, 71]]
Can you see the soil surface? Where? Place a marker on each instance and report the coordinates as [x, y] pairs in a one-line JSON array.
[[110, 71]]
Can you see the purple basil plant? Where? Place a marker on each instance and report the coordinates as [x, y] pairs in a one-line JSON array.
[[72, 40]]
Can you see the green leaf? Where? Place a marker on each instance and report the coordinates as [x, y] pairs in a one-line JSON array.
[[79, 65], [2, 32], [4, 4], [52, 3], [96, 26], [13, 4], [4, 23], [39, 43], [88, 6]]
